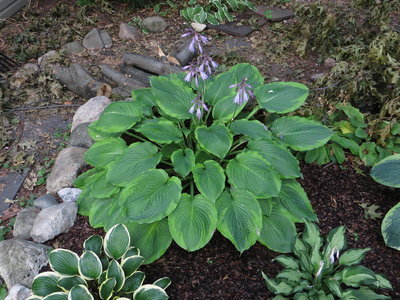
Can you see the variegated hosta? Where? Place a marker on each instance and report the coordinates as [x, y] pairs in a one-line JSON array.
[[106, 270], [323, 271], [184, 159]]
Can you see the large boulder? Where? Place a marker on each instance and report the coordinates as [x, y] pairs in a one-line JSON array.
[[80, 137], [154, 24], [21, 261], [18, 292], [68, 164], [24, 222], [97, 39], [90, 111], [53, 221]]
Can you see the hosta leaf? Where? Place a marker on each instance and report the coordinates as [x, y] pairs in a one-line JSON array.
[[172, 97], [163, 282], [281, 97], [98, 214], [90, 266], [138, 158], [193, 222], [150, 292], [131, 264], [46, 283], [356, 117], [250, 171], [295, 200], [336, 238], [117, 241], [80, 292], [102, 188], [209, 178], [290, 275], [105, 151], [115, 271], [312, 237], [94, 243], [278, 157], [239, 218], [219, 88], [391, 227], [87, 177], [287, 262], [146, 97], [363, 293], [151, 196], [119, 116], [131, 252], [382, 282], [106, 288], [68, 283], [254, 129], [133, 282], [387, 171], [355, 276], [215, 139], [160, 131], [276, 287], [183, 161], [115, 215], [152, 239], [98, 135], [334, 287], [64, 262], [353, 256], [57, 296], [226, 109], [249, 72], [300, 133]]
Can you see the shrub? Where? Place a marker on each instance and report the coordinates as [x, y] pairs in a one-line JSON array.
[[106, 270], [318, 271]]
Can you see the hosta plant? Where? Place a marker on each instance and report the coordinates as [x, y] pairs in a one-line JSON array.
[[107, 269], [321, 270], [387, 172]]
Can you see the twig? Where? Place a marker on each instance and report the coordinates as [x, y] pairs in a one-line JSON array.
[[42, 107], [325, 87]]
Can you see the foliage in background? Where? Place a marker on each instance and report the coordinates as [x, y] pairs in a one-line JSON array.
[[387, 172], [321, 270], [3, 291], [107, 269], [105, 4]]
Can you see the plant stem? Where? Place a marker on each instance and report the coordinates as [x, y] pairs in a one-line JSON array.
[[167, 163], [135, 136], [191, 188], [253, 112]]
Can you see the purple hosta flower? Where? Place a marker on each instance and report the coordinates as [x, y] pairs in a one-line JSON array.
[[243, 92], [194, 71], [207, 64], [197, 40], [198, 106]]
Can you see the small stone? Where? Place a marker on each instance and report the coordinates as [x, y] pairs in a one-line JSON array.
[[80, 137], [315, 77], [24, 222], [69, 194], [90, 111], [273, 14], [47, 61], [128, 32], [154, 24], [10, 184], [45, 201], [329, 62], [97, 39], [21, 261], [66, 168], [198, 27], [53, 221], [74, 47], [18, 292]]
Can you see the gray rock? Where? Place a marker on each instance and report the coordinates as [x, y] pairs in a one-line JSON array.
[[90, 111], [66, 168], [97, 39], [53, 221], [154, 24], [18, 292], [45, 201], [128, 32], [237, 43], [21, 261], [24, 222], [329, 62], [315, 77], [273, 14], [80, 137], [69, 194], [9, 187], [47, 61], [74, 47]]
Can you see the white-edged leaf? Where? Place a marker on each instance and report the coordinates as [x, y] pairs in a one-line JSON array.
[[64, 262], [387, 171], [46, 283], [150, 292], [117, 241], [90, 266], [391, 227], [80, 292]]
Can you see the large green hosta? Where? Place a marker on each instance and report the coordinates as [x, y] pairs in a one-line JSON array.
[[169, 176]]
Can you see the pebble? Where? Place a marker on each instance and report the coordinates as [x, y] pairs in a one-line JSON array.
[[69, 194], [154, 24], [45, 201]]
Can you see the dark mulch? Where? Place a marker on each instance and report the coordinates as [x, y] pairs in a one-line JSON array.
[[218, 271]]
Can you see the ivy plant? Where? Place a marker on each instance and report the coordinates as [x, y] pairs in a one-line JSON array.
[[320, 271], [186, 157], [107, 269]]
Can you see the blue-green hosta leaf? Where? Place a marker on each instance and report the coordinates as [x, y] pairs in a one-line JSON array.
[[117, 241], [356, 276], [163, 282], [219, 88], [147, 98], [68, 283], [106, 288], [363, 293], [387, 171], [160, 131], [183, 161], [133, 282], [193, 222], [151, 196], [102, 188], [150, 292], [173, 97], [152, 239], [80, 292], [281, 97], [254, 129], [131, 264], [353, 256], [295, 200], [226, 109], [209, 178], [94, 244], [239, 218], [249, 72], [87, 178], [300, 133], [216, 139], [119, 116], [250, 171], [99, 212], [115, 215], [278, 232], [98, 135], [46, 283], [278, 157], [105, 151], [90, 266], [115, 271], [64, 262], [139, 157], [391, 227], [56, 296], [132, 251]]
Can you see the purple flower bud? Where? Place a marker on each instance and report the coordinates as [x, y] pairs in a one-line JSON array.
[[243, 92]]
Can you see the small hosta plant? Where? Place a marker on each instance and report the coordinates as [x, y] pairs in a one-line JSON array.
[[321, 270], [107, 269]]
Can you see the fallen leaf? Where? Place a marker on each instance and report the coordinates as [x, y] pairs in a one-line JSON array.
[[173, 60]]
